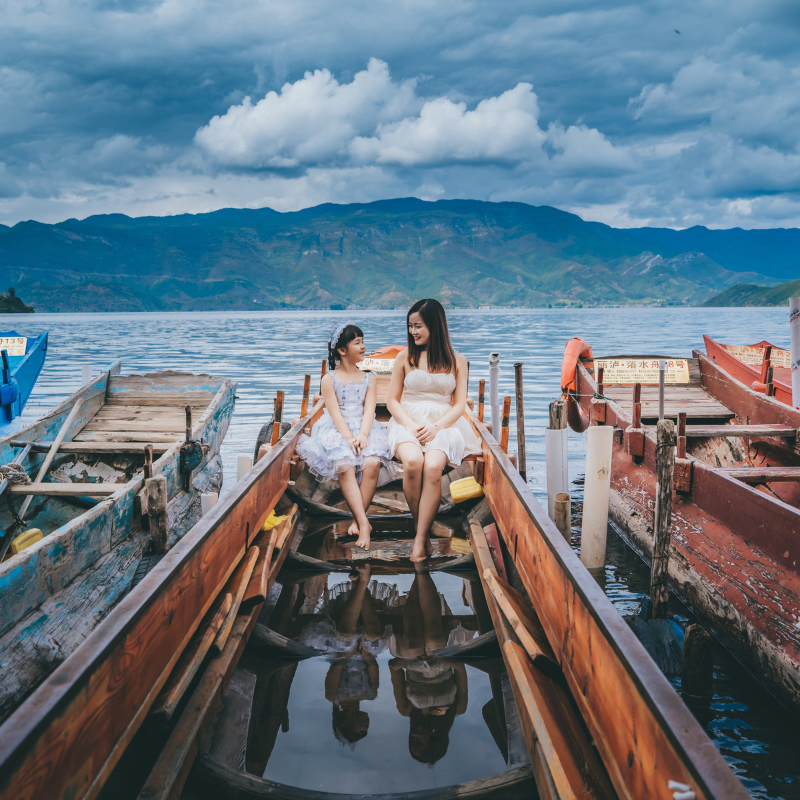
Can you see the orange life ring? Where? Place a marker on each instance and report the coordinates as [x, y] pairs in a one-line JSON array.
[[575, 349]]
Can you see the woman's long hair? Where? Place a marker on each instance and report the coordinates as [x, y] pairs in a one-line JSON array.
[[441, 356]]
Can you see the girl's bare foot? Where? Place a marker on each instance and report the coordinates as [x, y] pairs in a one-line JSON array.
[[419, 552], [363, 536], [353, 529]]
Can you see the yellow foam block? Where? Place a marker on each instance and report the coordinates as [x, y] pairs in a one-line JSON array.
[[465, 489], [272, 521], [460, 545], [25, 540]]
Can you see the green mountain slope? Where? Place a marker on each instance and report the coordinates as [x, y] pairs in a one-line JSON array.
[[382, 254], [744, 294]]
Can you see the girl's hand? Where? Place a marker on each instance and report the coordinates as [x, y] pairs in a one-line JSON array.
[[427, 433], [414, 428], [360, 442], [352, 442]]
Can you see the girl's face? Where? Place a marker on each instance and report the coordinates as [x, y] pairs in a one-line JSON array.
[[354, 352], [419, 331]]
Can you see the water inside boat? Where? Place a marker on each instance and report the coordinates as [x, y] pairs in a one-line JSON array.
[[376, 711]]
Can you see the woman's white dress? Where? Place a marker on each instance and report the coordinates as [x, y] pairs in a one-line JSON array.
[[427, 397], [327, 453]]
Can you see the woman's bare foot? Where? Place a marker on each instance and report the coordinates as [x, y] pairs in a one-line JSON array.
[[363, 536], [419, 552], [353, 529]]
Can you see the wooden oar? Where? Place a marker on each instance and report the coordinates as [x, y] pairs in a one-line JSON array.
[[192, 657], [237, 586], [52, 454], [18, 459]]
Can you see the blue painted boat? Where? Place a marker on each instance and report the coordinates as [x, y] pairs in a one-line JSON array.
[[22, 361], [88, 507]]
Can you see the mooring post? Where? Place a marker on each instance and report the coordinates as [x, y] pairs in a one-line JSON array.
[[662, 375], [188, 410], [494, 375], [697, 674], [598, 404], [148, 461], [243, 465], [556, 462], [504, 424], [659, 569], [207, 502], [596, 496], [157, 513], [306, 392], [277, 418], [481, 398], [523, 464], [563, 515]]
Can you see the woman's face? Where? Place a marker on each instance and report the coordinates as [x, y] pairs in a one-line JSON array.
[[419, 331], [354, 352]]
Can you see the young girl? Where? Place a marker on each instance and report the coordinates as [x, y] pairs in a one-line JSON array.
[[348, 443], [427, 398]]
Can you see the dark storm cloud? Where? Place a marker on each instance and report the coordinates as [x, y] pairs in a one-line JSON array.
[[597, 107]]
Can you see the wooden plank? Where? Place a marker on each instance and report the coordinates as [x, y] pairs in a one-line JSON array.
[[66, 489], [236, 586], [763, 474], [195, 399], [643, 732], [120, 411], [97, 447], [128, 436], [145, 426], [66, 738], [191, 659], [732, 431]]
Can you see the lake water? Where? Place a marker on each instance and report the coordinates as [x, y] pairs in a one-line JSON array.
[[268, 351]]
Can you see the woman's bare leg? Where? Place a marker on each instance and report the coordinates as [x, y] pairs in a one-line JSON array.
[[429, 501], [370, 472], [412, 457], [352, 494]]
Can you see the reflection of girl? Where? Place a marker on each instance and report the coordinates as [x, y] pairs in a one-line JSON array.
[[353, 675]]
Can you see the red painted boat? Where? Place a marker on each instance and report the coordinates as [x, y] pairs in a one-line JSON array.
[[735, 532], [747, 364]]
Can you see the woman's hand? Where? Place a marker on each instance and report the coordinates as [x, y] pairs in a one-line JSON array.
[[414, 428], [427, 433], [360, 442]]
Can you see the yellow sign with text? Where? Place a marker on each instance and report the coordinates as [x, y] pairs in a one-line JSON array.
[[641, 370], [13, 345]]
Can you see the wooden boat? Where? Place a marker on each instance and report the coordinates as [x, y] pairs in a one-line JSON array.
[[735, 548], [22, 361], [599, 718], [762, 367], [85, 535]]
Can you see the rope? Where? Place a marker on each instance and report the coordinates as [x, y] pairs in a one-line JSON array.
[[14, 473]]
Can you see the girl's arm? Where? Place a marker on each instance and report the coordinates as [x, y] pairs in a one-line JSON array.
[[456, 410], [370, 401], [332, 404], [396, 392]]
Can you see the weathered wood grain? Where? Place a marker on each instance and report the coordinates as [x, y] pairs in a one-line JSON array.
[[236, 586], [66, 489]]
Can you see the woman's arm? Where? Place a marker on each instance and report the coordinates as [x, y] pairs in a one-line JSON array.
[[427, 433], [396, 392], [399, 688], [332, 404]]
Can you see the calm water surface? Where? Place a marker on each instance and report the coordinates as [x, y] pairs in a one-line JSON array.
[[265, 352]]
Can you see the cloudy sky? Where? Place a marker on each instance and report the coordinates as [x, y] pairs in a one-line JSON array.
[[630, 112]]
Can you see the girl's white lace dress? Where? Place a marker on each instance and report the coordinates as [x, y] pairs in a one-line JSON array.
[[427, 397], [327, 453]]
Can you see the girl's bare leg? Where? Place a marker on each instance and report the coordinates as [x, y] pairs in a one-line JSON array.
[[412, 457], [429, 501], [370, 472], [352, 495], [431, 605]]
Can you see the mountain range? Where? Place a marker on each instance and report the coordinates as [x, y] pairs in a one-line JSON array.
[[384, 254]]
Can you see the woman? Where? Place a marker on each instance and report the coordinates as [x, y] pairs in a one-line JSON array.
[[427, 398]]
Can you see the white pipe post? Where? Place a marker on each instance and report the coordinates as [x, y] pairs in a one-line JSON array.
[[794, 333], [556, 456], [243, 465], [86, 374], [662, 372], [596, 496], [207, 502], [494, 374]]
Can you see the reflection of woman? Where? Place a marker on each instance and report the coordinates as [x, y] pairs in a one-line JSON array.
[[353, 675], [429, 691]]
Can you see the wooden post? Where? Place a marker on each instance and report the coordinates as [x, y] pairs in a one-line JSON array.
[[521, 456], [662, 379], [481, 398], [148, 461], [600, 385], [558, 415], [563, 514], [697, 674], [555, 455], [156, 489], [659, 571], [306, 391], [681, 434], [278, 418], [504, 424], [188, 410], [598, 404], [637, 405], [635, 434], [765, 364]]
